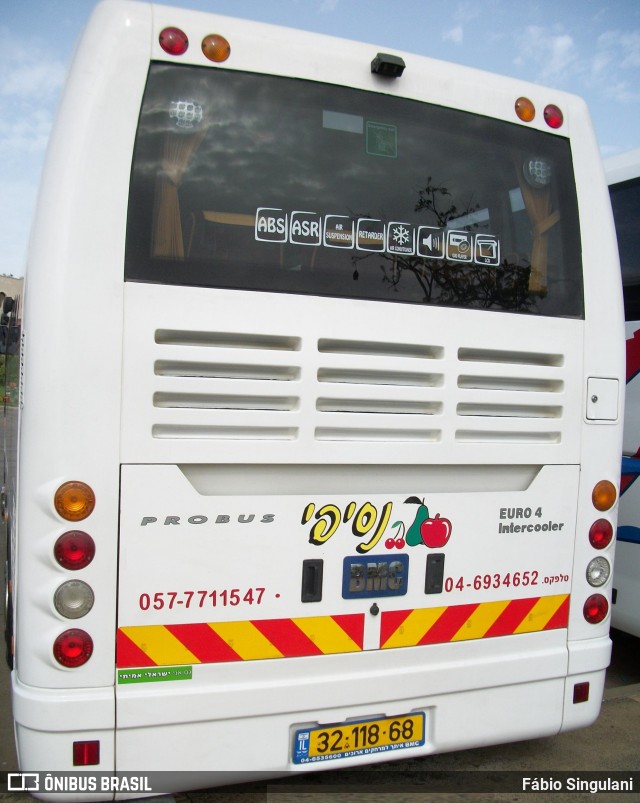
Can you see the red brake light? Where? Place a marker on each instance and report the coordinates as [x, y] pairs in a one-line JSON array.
[[600, 534], [74, 550], [173, 41], [553, 116], [596, 609], [73, 648]]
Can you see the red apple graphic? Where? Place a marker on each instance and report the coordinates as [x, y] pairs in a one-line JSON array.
[[435, 532]]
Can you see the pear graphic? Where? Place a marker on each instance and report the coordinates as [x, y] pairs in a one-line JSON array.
[[413, 537]]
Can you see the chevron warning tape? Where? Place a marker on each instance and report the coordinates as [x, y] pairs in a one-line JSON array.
[[475, 621], [214, 642]]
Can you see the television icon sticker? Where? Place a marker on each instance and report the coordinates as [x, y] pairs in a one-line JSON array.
[[459, 246], [487, 250]]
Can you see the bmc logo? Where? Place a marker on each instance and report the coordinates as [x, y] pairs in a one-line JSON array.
[[379, 576]]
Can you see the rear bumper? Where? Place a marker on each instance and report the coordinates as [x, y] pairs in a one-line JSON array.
[[230, 720]]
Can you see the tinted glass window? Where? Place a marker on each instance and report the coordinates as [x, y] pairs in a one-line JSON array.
[[625, 201], [264, 183]]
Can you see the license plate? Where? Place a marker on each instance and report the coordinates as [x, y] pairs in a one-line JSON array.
[[361, 738]]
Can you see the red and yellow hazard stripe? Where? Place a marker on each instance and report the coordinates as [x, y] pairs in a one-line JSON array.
[[214, 642], [410, 628]]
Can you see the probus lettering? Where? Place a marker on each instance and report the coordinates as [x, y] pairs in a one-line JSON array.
[[223, 518]]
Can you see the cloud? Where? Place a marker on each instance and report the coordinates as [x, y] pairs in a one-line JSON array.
[[28, 94], [455, 35], [327, 6], [551, 52], [614, 65], [25, 75]]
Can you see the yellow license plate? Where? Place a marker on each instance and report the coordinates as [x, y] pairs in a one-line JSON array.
[[361, 738]]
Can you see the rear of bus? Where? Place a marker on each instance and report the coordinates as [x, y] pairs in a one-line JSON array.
[[323, 376], [623, 176]]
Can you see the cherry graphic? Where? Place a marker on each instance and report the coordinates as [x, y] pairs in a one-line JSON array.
[[396, 541]]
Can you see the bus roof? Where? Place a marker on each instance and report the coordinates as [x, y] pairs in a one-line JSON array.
[[622, 166]]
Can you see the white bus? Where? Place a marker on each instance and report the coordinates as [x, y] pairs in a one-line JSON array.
[[322, 407], [623, 175]]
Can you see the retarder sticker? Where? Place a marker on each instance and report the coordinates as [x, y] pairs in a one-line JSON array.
[[155, 674]]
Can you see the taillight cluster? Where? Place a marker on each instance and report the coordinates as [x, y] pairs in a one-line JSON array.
[[74, 550], [526, 111], [175, 42], [598, 571]]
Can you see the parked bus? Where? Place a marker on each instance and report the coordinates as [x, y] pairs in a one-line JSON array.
[[322, 410], [623, 175]]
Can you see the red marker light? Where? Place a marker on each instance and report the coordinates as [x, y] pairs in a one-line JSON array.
[[173, 41], [553, 116], [73, 648]]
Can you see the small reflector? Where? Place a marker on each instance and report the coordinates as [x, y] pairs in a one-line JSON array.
[[74, 501], [86, 754], [216, 48], [604, 495], [525, 110], [173, 41], [581, 692]]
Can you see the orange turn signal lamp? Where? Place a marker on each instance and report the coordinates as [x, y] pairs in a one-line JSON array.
[[74, 501]]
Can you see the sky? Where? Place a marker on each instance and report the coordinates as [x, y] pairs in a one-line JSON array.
[[588, 47]]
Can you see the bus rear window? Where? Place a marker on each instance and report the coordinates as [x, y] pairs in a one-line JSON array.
[[274, 184]]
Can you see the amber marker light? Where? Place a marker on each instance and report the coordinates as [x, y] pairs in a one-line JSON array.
[[216, 48], [74, 501], [604, 495], [525, 110]]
